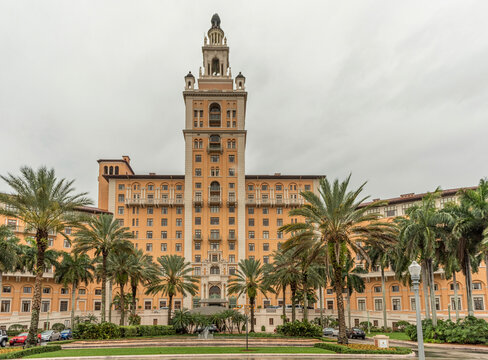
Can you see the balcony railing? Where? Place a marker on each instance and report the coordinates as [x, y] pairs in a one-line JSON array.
[[275, 202], [198, 200], [231, 200], [197, 237], [153, 202], [232, 237], [215, 148], [215, 237], [214, 200]]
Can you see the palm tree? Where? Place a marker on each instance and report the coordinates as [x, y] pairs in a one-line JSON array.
[[103, 235], [471, 221], [9, 252], [141, 270], [249, 280], [284, 273], [73, 270], [173, 276], [28, 257], [420, 233], [335, 224], [118, 271], [352, 281], [384, 257], [44, 204]]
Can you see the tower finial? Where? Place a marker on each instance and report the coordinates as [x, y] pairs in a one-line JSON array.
[[215, 21]]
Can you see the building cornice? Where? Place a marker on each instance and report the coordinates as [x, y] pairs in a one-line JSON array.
[[213, 131], [216, 93]]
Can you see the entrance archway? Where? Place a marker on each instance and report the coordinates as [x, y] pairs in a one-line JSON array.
[[214, 292]]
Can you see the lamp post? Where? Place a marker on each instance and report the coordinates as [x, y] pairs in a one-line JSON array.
[[414, 270]]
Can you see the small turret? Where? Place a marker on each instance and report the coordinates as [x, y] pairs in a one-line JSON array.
[[189, 81], [240, 82]]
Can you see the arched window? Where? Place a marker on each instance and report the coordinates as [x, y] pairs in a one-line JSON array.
[[215, 139], [116, 170], [215, 66], [214, 115], [215, 270], [195, 144], [105, 169], [200, 144], [215, 186], [111, 171]]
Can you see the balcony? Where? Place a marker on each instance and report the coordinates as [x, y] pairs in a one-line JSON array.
[[231, 237], [215, 200], [215, 237], [279, 202], [198, 201], [231, 200], [265, 202], [251, 201], [149, 202], [215, 148], [294, 202], [197, 237], [163, 202], [178, 201]]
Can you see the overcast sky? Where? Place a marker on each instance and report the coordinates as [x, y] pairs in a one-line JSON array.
[[393, 91]]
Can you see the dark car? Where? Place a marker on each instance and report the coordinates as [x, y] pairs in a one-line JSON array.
[[66, 334], [356, 333]]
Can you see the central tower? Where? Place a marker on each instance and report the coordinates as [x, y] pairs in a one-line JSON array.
[[215, 142]]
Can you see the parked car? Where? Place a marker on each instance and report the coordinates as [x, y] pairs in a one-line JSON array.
[[21, 338], [328, 331], [335, 332], [3, 338], [50, 335], [66, 334], [356, 333]]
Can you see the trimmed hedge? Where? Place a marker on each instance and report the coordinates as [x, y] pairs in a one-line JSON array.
[[344, 349], [30, 351], [299, 328], [108, 330]]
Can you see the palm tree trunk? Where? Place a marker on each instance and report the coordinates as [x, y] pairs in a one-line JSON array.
[[104, 287], [170, 308], [426, 292], [432, 292], [305, 298], [469, 285], [293, 295], [321, 303], [251, 302], [342, 338], [134, 300], [73, 304], [456, 301], [349, 309], [383, 290], [284, 305], [41, 241], [110, 303], [122, 304]]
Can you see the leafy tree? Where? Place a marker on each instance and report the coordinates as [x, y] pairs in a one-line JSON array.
[[173, 276], [45, 204], [118, 271], [9, 252], [249, 280], [336, 223], [73, 270], [103, 235]]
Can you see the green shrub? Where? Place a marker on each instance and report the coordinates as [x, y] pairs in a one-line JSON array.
[[134, 319], [401, 325], [263, 328], [30, 351], [342, 349], [128, 331], [58, 327], [468, 331], [108, 330], [15, 329], [298, 328]]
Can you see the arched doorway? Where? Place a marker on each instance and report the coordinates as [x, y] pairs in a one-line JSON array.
[[214, 292]]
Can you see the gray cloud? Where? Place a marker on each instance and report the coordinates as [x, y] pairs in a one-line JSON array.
[[394, 92]]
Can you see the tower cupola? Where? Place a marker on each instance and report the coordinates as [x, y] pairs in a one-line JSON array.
[[240, 82], [189, 81], [215, 51]]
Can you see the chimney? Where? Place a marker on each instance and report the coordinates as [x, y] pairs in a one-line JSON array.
[[126, 158]]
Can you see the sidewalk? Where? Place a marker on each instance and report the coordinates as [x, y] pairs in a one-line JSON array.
[[413, 344]]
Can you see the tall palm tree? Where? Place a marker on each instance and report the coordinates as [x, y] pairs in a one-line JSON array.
[[384, 257], [28, 257], [73, 270], [44, 204], [118, 271], [103, 235], [471, 221], [335, 224], [174, 276], [249, 280], [141, 270], [9, 252], [420, 233], [352, 282], [281, 275]]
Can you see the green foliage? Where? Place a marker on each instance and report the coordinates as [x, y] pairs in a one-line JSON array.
[[134, 319], [342, 349], [15, 329], [468, 331], [364, 325], [401, 325], [58, 327], [30, 351], [263, 328], [108, 330], [301, 329]]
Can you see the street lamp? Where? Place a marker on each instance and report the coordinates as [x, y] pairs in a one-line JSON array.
[[414, 270]]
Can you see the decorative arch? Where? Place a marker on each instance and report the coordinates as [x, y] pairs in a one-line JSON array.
[[111, 170], [214, 291], [214, 186], [105, 169], [214, 115]]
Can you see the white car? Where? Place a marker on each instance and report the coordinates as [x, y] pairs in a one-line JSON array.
[[50, 335]]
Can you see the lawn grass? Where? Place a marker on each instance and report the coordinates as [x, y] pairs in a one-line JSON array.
[[392, 335], [182, 350]]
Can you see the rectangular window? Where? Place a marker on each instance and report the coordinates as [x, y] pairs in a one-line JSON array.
[[164, 210], [251, 235], [390, 211], [121, 186], [179, 222], [378, 304], [279, 210], [63, 305], [412, 304], [395, 288], [361, 304], [149, 222], [198, 172], [478, 303], [196, 271], [149, 247], [232, 246], [251, 246], [66, 244], [232, 258], [279, 235], [149, 234], [5, 306], [396, 304], [97, 305], [150, 210], [64, 291], [198, 221], [164, 247], [198, 158], [265, 246], [377, 289], [178, 247], [27, 290], [250, 210], [330, 304], [164, 234], [121, 198], [232, 172], [46, 290], [453, 303], [232, 158], [266, 222], [120, 210], [26, 306], [250, 222], [265, 259], [307, 187], [265, 234], [179, 234], [45, 305], [214, 221], [147, 305], [6, 289], [232, 221], [164, 222], [198, 258]]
